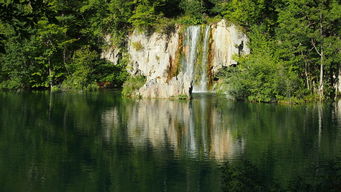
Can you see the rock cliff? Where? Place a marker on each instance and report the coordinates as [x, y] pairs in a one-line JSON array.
[[184, 60]]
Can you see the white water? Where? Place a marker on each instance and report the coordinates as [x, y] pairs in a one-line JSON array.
[[202, 86], [192, 36]]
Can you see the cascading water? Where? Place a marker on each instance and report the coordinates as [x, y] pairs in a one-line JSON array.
[[191, 42], [192, 37], [201, 86]]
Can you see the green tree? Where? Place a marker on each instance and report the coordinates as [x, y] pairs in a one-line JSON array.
[[81, 68], [145, 14], [309, 36], [49, 36]]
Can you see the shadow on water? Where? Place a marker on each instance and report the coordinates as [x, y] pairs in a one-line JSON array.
[[243, 176], [101, 142]]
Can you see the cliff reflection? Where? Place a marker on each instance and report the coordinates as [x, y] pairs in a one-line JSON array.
[[194, 128]]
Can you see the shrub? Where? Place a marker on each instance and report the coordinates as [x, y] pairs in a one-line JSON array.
[[81, 68], [183, 97], [137, 46], [165, 26], [132, 85], [190, 20]]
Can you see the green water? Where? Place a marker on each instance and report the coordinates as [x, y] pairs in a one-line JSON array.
[[102, 142]]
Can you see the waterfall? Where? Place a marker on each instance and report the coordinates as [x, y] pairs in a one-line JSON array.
[[192, 37], [195, 62], [201, 86]]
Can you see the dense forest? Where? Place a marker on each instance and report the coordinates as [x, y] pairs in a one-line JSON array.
[[295, 44]]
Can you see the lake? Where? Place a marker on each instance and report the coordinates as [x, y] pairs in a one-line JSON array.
[[100, 141]]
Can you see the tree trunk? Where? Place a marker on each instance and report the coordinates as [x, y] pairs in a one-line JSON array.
[[321, 54], [306, 71], [321, 59], [307, 77], [50, 75], [337, 90], [321, 75]]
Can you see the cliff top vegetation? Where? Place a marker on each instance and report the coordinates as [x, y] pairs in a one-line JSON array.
[[295, 44]]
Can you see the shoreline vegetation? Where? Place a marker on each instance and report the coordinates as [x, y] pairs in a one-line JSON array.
[[57, 44]]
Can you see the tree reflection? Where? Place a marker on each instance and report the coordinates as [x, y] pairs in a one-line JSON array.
[[102, 142], [243, 176]]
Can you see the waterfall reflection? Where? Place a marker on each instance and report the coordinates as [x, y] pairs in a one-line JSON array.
[[195, 128]]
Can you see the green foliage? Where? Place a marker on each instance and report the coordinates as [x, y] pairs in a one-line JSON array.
[[132, 85], [81, 68], [193, 8], [292, 51], [117, 21], [107, 72], [86, 69], [144, 16], [261, 76], [309, 36], [295, 45], [41, 44], [183, 97], [137, 46], [189, 20], [165, 25], [13, 67]]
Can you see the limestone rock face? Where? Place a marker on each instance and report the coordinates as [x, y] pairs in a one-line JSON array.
[[111, 54], [172, 63], [153, 56], [228, 40]]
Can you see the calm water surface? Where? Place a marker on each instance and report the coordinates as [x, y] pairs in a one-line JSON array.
[[102, 142]]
